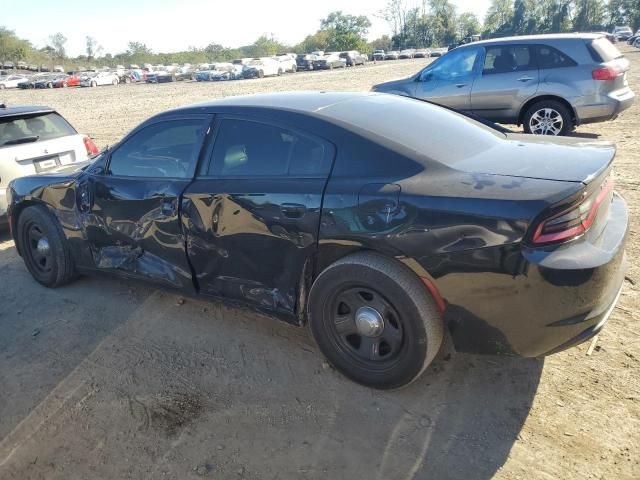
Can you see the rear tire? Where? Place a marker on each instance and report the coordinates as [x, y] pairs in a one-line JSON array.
[[399, 329], [548, 117], [44, 247]]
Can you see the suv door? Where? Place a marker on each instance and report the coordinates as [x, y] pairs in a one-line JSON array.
[[448, 81], [509, 78], [253, 215], [131, 205]]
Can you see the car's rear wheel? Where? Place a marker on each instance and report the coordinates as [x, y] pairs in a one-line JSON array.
[[94, 84], [260, 74], [374, 320], [1, 86], [44, 247], [65, 85], [280, 72], [548, 117]]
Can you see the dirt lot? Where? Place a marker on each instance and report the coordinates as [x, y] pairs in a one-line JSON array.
[[108, 379]]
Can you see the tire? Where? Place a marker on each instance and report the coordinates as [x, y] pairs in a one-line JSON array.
[[127, 80], [409, 331], [94, 84], [49, 85], [260, 74], [55, 267], [2, 87], [279, 72], [294, 69], [115, 82], [548, 117], [65, 85]]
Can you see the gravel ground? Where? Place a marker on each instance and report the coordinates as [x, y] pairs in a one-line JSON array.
[[109, 379]]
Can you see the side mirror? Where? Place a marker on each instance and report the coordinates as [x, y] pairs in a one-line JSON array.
[[425, 76]]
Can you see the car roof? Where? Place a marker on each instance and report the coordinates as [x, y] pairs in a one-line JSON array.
[[535, 38], [14, 111]]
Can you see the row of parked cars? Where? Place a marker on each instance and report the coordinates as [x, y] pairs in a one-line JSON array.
[[380, 54]]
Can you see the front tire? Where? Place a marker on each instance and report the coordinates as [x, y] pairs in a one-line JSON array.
[[44, 247], [374, 320], [548, 117]]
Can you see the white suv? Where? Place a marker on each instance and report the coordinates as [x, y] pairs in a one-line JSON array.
[[33, 140]]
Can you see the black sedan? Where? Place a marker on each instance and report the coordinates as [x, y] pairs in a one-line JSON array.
[[382, 222]]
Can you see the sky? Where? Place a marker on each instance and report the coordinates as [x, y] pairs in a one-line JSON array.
[[175, 25]]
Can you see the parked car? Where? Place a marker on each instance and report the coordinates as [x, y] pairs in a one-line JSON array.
[[220, 71], [329, 61], [353, 58], [95, 79], [262, 67], [8, 65], [439, 52], [162, 74], [67, 81], [392, 55], [28, 82], [305, 62], [21, 65], [58, 69], [408, 53], [622, 33], [11, 81], [132, 75], [287, 62], [46, 81], [378, 54], [33, 140], [422, 53], [576, 79], [317, 209]]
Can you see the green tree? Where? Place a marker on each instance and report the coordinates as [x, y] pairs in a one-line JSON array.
[[589, 15], [468, 24], [499, 18], [58, 42], [345, 32]]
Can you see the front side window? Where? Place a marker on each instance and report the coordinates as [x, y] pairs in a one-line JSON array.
[[453, 65], [166, 149], [509, 58], [245, 148]]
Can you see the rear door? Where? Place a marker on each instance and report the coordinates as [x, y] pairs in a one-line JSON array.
[[252, 216], [131, 207], [509, 78], [449, 80]]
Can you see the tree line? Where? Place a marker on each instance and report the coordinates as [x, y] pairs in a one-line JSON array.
[[413, 24]]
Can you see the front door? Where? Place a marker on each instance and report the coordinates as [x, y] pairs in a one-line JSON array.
[[254, 214], [132, 217], [449, 80], [509, 78]]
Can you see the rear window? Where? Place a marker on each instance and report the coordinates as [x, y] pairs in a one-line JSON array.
[[602, 50], [33, 128], [549, 57]]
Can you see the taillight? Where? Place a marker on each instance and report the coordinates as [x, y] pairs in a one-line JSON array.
[[90, 146], [574, 221], [606, 73]]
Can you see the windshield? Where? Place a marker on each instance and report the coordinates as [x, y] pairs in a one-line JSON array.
[[33, 128], [255, 62]]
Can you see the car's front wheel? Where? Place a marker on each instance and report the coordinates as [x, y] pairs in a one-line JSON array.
[[44, 247], [548, 117], [374, 320]]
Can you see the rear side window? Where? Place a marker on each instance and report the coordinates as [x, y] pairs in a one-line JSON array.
[[549, 57], [602, 50], [246, 148], [33, 128], [166, 149], [509, 58]]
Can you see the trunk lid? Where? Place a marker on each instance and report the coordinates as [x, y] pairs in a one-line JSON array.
[[548, 158]]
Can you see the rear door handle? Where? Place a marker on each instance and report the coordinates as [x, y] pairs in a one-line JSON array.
[[293, 210], [168, 207], [525, 79]]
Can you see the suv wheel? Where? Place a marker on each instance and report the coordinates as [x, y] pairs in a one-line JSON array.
[[548, 117]]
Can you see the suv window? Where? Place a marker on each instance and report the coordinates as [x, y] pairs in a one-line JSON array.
[[248, 148], [455, 64], [509, 58], [165, 149], [33, 128], [549, 57], [602, 50]]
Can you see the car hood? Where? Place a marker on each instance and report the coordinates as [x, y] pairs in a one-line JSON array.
[[546, 158], [392, 84]]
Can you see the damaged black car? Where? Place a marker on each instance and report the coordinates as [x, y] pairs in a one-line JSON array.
[[382, 222]]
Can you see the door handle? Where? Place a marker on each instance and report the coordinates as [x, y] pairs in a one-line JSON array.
[[293, 210], [460, 85], [168, 207], [525, 79]]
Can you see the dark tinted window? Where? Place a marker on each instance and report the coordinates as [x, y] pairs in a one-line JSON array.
[[166, 149], [549, 57], [33, 128], [509, 58], [246, 148]]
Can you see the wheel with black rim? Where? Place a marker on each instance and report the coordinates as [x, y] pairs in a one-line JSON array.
[[548, 117], [44, 247], [374, 320]]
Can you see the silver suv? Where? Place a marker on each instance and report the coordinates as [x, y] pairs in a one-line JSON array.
[[548, 83]]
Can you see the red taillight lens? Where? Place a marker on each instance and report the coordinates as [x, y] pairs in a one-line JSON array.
[[90, 146], [606, 73], [573, 222]]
